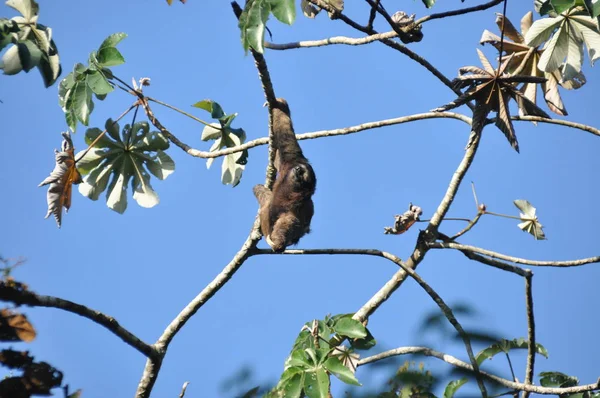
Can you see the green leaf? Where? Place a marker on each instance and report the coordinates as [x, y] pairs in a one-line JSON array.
[[93, 133], [593, 8], [112, 40], [364, 343], [335, 367], [350, 328], [110, 56], [143, 193], [561, 6], [82, 104], [211, 132], [252, 24], [453, 386], [557, 379], [161, 165], [22, 56], [505, 346], [215, 147], [213, 107], [530, 222], [316, 384], [284, 10], [98, 83], [292, 388], [428, 3]]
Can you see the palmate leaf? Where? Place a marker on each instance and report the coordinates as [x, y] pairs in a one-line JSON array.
[[133, 156], [224, 136], [254, 17], [453, 387], [61, 180], [530, 222], [567, 32], [525, 60]]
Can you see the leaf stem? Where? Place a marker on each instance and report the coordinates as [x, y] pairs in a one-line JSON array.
[[502, 215], [512, 371], [182, 112]]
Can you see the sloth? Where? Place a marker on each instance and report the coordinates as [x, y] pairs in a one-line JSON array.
[[286, 211]]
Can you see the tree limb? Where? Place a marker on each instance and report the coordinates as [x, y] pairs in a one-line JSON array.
[[26, 297], [463, 365], [516, 260], [531, 351]]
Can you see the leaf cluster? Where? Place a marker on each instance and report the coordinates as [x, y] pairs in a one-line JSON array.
[[76, 90], [31, 44], [224, 136], [132, 156], [316, 355]]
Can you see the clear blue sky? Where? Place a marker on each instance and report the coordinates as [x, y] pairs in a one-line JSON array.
[[144, 266]]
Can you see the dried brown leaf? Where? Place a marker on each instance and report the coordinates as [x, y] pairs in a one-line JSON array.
[[61, 180], [509, 29], [15, 327], [526, 22], [504, 123]]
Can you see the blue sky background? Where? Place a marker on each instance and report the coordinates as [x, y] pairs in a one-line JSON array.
[[144, 266]]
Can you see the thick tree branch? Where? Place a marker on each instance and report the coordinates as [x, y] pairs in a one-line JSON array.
[[516, 260], [463, 365], [26, 297]]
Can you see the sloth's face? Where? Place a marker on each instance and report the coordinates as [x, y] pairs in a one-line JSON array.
[[303, 175]]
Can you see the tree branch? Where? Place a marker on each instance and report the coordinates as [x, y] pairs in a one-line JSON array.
[[463, 365], [531, 351], [516, 260], [462, 11], [26, 297]]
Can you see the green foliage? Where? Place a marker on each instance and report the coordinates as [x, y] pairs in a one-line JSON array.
[[133, 156], [316, 355], [76, 89], [224, 136], [31, 43], [505, 346], [567, 30], [453, 387], [554, 7], [254, 18]]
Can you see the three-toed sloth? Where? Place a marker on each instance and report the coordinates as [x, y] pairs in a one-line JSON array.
[[286, 211]]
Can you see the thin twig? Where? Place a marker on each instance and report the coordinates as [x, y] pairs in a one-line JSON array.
[[531, 348], [510, 366], [26, 297], [468, 227], [461, 11], [496, 263], [516, 260], [185, 385], [463, 365], [373, 14], [182, 112]]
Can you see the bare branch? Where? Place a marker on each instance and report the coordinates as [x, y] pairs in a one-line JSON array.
[[463, 365], [531, 351], [468, 227], [349, 41], [516, 260], [462, 11], [185, 385], [560, 122], [496, 263], [26, 297], [373, 14]]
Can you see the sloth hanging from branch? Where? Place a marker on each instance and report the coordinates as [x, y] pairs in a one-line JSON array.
[[286, 211]]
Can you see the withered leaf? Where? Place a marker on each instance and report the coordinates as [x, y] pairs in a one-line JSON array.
[[41, 377], [404, 221], [15, 327], [13, 387], [530, 222], [15, 359], [61, 180]]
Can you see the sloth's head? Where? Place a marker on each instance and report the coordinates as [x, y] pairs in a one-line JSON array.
[[304, 177]]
